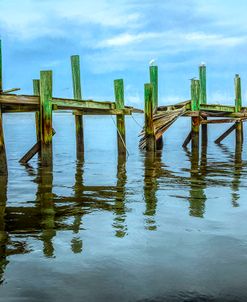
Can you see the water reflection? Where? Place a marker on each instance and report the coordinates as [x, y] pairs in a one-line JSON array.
[[50, 213]]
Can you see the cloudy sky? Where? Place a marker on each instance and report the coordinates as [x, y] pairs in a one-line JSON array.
[[117, 39]]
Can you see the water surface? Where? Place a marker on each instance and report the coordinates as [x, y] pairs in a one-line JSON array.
[[164, 227]]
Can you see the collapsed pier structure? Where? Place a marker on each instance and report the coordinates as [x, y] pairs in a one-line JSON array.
[[157, 118]]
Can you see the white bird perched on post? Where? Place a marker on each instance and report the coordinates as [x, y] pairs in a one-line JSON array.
[[152, 62]]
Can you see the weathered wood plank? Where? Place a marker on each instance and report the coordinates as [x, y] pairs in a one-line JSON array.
[[76, 79], [119, 100], [216, 107], [149, 127], [125, 111], [46, 116], [222, 121], [187, 140], [225, 134]]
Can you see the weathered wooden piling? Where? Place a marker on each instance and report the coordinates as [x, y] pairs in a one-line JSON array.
[[195, 105], [153, 74], [77, 92], [46, 116], [119, 100], [203, 99], [3, 159], [149, 127], [238, 107]]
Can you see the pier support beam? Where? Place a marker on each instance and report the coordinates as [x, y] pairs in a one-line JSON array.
[[119, 99], [76, 78], [46, 117], [153, 73], [149, 127], [238, 107], [203, 100]]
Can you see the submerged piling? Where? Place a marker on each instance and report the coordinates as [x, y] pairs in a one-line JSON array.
[[203, 99], [76, 78], [238, 106], [149, 127], [153, 74], [119, 101], [46, 116]]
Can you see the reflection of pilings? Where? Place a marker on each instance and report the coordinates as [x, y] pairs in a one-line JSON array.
[[45, 199], [197, 182], [3, 159], [3, 233], [151, 171], [76, 242], [120, 211], [238, 166]]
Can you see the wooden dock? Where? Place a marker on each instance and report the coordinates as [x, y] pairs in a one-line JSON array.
[[157, 118]]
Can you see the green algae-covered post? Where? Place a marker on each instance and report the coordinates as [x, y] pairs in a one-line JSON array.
[[36, 91], [76, 78], [203, 99], [238, 107], [195, 94], [153, 73], [3, 159], [149, 127], [119, 100], [46, 116]]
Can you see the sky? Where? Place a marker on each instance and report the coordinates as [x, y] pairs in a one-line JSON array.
[[117, 39]]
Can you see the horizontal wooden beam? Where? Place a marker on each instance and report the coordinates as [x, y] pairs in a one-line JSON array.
[[216, 107], [126, 111], [222, 121]]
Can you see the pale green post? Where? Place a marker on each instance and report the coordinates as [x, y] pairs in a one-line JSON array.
[[149, 127], [119, 100], [203, 100], [76, 78], [195, 121], [238, 107], [46, 117], [36, 91], [153, 73]]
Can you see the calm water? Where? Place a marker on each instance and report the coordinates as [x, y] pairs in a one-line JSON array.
[[148, 228]]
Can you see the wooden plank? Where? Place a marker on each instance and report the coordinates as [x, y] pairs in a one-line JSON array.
[[216, 107], [19, 108], [225, 134], [119, 100], [125, 111], [32, 152], [11, 90], [222, 121], [46, 116], [149, 127], [187, 140], [76, 79], [70, 104]]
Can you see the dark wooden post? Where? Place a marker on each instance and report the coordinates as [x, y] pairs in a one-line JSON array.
[[46, 117], [203, 99], [195, 93], [36, 91], [119, 100], [76, 78], [153, 73], [238, 107], [3, 159], [149, 127]]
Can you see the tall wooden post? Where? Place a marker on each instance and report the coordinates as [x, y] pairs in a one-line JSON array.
[[153, 73], [195, 93], [36, 91], [149, 127], [3, 159], [238, 107], [76, 78], [203, 99], [46, 117], [119, 100]]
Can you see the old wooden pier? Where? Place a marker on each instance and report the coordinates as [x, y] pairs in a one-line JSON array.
[[157, 118]]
